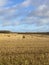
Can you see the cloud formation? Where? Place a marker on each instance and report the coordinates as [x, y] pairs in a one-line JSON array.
[[3, 2], [39, 16], [29, 12]]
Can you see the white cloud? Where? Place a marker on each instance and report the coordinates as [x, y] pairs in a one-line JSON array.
[[9, 23], [41, 7], [42, 10], [40, 16], [26, 3], [3, 2]]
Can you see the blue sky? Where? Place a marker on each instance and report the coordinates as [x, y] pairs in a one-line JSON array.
[[24, 15]]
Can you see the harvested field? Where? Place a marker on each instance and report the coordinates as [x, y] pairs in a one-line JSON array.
[[21, 49]]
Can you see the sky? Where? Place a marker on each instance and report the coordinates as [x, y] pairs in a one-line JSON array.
[[24, 15]]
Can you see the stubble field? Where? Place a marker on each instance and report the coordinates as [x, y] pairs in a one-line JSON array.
[[24, 49]]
